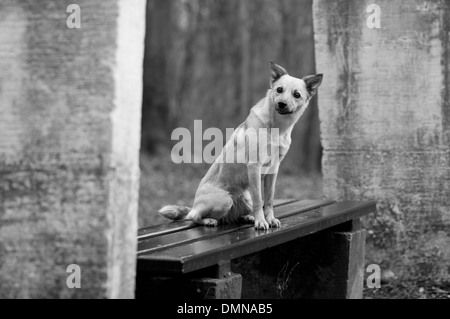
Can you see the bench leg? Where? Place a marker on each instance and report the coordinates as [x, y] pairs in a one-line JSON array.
[[224, 288], [349, 251], [216, 282], [224, 284], [328, 264]]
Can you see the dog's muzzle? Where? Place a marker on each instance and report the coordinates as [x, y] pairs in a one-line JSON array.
[[282, 108]]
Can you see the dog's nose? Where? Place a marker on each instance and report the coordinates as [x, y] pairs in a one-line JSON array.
[[282, 105]]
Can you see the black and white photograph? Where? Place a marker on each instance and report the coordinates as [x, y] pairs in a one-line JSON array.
[[248, 151]]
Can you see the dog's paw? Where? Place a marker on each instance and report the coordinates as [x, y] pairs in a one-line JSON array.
[[274, 222], [261, 224], [210, 222]]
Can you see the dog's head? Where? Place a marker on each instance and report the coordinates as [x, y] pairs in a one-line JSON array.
[[288, 94]]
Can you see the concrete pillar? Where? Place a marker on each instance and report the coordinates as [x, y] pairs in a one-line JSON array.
[[385, 124], [70, 101]]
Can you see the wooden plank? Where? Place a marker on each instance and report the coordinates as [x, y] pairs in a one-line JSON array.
[[178, 238], [176, 226], [203, 253], [171, 227], [281, 202]]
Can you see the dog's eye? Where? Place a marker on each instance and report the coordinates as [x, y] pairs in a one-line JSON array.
[[297, 95], [280, 90]]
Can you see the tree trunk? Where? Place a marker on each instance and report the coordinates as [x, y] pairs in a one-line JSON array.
[[297, 53], [245, 56], [157, 82]]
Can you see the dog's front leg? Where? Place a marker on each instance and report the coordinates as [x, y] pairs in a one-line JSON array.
[[254, 179], [269, 191]]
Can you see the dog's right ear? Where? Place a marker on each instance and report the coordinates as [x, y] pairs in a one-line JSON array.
[[276, 72]]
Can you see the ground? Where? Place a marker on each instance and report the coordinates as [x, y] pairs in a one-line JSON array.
[[409, 290], [163, 183]]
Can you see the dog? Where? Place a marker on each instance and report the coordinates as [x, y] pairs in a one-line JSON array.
[[232, 192]]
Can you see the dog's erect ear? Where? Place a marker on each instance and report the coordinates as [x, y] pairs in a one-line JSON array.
[[276, 72], [312, 83]]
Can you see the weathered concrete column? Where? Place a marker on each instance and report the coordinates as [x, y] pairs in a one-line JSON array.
[[385, 124], [70, 103]]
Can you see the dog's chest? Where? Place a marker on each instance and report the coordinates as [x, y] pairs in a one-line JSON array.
[[278, 145], [283, 145]]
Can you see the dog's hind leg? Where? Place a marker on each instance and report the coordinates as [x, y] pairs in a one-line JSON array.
[[210, 206]]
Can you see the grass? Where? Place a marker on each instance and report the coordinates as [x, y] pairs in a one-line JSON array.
[[409, 290]]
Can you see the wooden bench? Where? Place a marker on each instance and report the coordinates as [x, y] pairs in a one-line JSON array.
[[317, 253]]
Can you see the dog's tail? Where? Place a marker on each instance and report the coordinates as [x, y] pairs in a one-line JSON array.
[[175, 212]]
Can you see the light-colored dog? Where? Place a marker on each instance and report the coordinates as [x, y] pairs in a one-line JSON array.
[[231, 191]]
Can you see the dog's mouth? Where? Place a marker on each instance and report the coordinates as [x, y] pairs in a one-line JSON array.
[[283, 112]]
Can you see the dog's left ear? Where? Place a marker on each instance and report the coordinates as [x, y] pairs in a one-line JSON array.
[[276, 72], [312, 83]]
